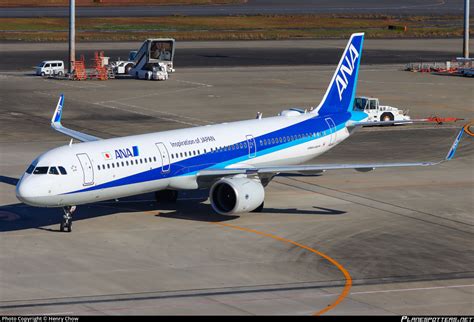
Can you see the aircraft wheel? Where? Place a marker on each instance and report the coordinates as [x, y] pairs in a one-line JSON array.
[[61, 227], [166, 196], [69, 226]]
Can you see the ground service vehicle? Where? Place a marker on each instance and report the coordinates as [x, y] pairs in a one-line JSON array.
[[376, 112], [154, 59], [50, 68]]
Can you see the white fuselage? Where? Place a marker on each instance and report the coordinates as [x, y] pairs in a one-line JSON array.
[[119, 167]]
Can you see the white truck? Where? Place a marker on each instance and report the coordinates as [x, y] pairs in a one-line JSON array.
[[123, 67], [376, 112], [156, 72]]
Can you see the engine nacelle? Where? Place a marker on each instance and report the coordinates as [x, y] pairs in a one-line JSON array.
[[236, 195]]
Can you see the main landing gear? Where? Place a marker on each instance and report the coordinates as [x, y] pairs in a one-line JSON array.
[[170, 196], [66, 223]]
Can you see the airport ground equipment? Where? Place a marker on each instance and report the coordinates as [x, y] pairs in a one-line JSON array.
[[50, 68], [100, 66], [123, 67], [154, 59], [79, 69], [377, 112]]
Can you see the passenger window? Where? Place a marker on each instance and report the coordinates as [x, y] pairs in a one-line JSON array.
[[41, 170], [204, 150], [126, 162], [98, 167], [154, 159], [149, 159], [141, 161], [113, 165], [53, 170], [54, 65], [144, 159], [47, 65], [108, 166], [62, 170]]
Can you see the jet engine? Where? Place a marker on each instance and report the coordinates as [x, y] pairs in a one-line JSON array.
[[235, 195]]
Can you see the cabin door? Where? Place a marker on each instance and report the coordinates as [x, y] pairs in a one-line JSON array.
[[87, 169], [165, 157]]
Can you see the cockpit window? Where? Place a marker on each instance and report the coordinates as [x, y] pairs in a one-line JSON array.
[[30, 169], [53, 170], [41, 170], [62, 170]]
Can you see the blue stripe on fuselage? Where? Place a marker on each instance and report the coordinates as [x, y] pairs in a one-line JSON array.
[[223, 158]]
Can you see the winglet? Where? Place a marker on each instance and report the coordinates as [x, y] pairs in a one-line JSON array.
[[465, 129], [56, 119], [56, 124]]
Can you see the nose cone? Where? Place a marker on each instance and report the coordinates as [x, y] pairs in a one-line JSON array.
[[28, 191], [24, 191]]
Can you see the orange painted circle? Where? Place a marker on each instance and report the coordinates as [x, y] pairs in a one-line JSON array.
[[467, 128], [347, 276]]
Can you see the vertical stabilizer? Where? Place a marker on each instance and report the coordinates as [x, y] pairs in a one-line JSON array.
[[340, 94]]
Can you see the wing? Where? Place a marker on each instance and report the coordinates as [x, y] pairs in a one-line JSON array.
[[433, 119], [56, 124], [319, 168]]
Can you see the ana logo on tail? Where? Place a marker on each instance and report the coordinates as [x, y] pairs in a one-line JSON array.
[[346, 69]]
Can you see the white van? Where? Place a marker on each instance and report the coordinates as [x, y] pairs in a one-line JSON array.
[[50, 67]]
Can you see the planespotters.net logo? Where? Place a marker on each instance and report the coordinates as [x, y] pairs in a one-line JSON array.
[[437, 318]]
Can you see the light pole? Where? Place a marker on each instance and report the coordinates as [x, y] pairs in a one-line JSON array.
[[465, 51], [72, 34]]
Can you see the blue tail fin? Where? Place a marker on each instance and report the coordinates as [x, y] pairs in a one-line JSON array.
[[340, 94]]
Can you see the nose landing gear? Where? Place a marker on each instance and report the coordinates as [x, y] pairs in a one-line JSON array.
[[66, 223]]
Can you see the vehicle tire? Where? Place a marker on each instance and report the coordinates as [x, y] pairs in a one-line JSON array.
[[259, 208], [385, 117], [43, 74], [166, 196], [69, 226], [61, 227], [60, 74]]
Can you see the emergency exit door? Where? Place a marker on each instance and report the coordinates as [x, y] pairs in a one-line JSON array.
[[251, 146]]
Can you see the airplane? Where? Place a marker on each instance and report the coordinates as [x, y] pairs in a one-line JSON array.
[[235, 161]]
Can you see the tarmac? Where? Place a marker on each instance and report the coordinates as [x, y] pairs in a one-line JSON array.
[[204, 54], [386, 242]]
